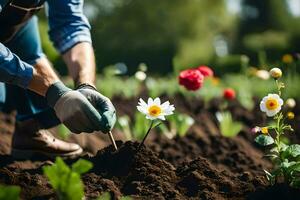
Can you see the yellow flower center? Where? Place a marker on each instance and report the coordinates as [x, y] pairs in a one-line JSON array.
[[272, 104], [154, 110]]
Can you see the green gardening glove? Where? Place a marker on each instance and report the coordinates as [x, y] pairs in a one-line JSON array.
[[73, 109], [102, 104]]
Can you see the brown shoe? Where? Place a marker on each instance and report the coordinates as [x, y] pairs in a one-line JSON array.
[[29, 140]]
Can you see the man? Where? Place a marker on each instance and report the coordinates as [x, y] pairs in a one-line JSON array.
[[30, 85]]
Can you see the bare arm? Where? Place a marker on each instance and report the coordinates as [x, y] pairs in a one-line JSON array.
[[80, 61], [43, 77]]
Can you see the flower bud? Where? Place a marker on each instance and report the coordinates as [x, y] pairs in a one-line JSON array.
[[276, 73], [291, 103], [264, 130], [140, 75], [287, 58], [290, 115], [229, 94], [256, 129]]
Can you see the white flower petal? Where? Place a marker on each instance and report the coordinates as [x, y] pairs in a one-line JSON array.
[[262, 106], [150, 101], [280, 101], [169, 111], [156, 101], [161, 117], [150, 117], [142, 109], [142, 102], [165, 105], [271, 113]]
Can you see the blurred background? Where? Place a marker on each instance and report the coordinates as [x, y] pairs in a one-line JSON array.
[[170, 35]]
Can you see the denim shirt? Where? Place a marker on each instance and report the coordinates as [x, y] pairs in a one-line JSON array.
[[67, 27]]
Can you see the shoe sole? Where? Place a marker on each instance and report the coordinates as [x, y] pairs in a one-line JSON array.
[[27, 154]]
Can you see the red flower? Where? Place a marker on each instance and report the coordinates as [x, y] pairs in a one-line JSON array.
[[191, 79], [229, 94], [206, 71]]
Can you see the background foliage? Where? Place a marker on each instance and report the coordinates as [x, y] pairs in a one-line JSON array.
[[183, 33]]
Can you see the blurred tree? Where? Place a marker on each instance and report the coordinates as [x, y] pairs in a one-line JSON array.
[[267, 26], [155, 32]]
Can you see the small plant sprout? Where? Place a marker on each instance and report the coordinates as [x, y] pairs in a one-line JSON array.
[[179, 124], [285, 158], [228, 127], [65, 180], [154, 111]]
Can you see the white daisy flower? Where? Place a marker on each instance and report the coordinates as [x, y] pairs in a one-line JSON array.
[[271, 104], [153, 109]]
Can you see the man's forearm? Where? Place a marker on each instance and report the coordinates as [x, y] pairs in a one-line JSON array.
[[80, 60], [43, 77]]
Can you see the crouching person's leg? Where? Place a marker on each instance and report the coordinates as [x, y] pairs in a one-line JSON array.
[[34, 116]]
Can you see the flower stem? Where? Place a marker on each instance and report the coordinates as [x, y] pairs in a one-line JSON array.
[[142, 143]]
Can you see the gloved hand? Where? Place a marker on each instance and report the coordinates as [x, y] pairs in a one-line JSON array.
[[102, 104], [73, 109]]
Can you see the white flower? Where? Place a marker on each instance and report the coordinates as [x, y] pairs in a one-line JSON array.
[[153, 109], [271, 104]]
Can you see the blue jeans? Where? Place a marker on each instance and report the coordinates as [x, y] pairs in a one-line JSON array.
[[29, 105]]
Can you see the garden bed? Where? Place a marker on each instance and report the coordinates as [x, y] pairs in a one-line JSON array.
[[201, 165]]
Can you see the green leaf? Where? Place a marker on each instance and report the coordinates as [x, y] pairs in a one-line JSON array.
[[63, 132], [126, 198], [270, 177], [82, 166], [74, 188], [9, 192], [293, 167], [292, 151], [295, 183], [123, 123], [228, 127], [140, 126], [56, 172], [66, 182], [104, 196], [264, 140]]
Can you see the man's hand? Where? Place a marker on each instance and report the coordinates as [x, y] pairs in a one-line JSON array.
[[102, 104], [73, 109]]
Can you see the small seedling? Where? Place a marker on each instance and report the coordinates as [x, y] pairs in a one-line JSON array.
[[179, 124], [9, 192], [285, 157], [228, 127], [66, 181]]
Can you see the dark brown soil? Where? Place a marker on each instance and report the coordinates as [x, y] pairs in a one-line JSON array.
[[201, 165]]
